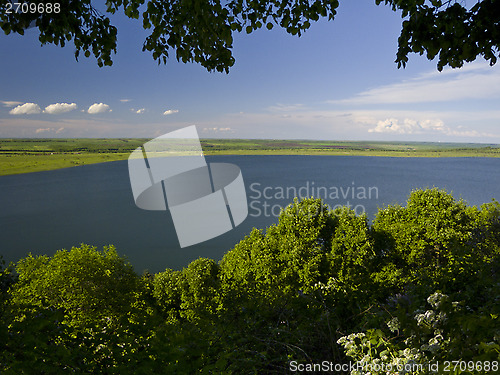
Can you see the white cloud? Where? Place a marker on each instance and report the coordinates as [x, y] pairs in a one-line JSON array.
[[409, 126], [98, 108], [26, 109], [139, 111], [476, 81], [426, 124], [125, 100], [170, 111], [217, 130], [57, 108], [49, 130], [10, 103], [43, 130]]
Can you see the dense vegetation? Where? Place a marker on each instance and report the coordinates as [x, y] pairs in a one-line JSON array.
[[418, 286]]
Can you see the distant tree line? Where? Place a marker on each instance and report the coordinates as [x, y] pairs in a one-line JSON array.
[[419, 285]]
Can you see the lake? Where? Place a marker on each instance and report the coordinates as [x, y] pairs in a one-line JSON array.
[[46, 211]]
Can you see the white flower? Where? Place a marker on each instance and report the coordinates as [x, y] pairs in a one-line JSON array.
[[393, 324], [437, 299]]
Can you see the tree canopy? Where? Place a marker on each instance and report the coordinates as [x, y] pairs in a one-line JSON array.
[[202, 31], [84, 282]]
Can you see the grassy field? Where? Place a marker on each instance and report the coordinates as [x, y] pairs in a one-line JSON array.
[[33, 155], [304, 147]]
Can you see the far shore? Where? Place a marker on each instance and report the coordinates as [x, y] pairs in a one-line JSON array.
[[35, 155]]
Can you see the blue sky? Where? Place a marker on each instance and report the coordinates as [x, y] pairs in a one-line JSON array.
[[336, 82]]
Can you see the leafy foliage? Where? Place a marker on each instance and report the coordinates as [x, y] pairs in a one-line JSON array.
[[439, 266], [7, 278], [450, 29], [291, 256], [429, 242], [79, 21], [88, 285], [202, 31], [423, 339], [418, 286]]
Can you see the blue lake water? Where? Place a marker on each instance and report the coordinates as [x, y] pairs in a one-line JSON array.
[[46, 211]]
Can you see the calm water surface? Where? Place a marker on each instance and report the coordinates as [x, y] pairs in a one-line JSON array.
[[45, 211]]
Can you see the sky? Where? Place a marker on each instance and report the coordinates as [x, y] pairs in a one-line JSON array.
[[338, 81]]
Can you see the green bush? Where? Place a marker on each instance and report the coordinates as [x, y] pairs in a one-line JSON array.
[[87, 284], [434, 242]]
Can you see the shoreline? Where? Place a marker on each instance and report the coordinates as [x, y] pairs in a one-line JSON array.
[[20, 156], [22, 164]]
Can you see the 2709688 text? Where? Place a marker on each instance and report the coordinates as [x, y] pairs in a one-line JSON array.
[[26, 7]]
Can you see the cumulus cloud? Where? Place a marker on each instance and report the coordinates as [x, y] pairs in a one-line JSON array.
[[170, 111], [57, 108], [98, 108], [408, 126], [26, 109], [139, 111], [426, 126], [10, 103]]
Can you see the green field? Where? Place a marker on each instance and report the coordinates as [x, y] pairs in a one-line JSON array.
[[307, 147], [33, 155]]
